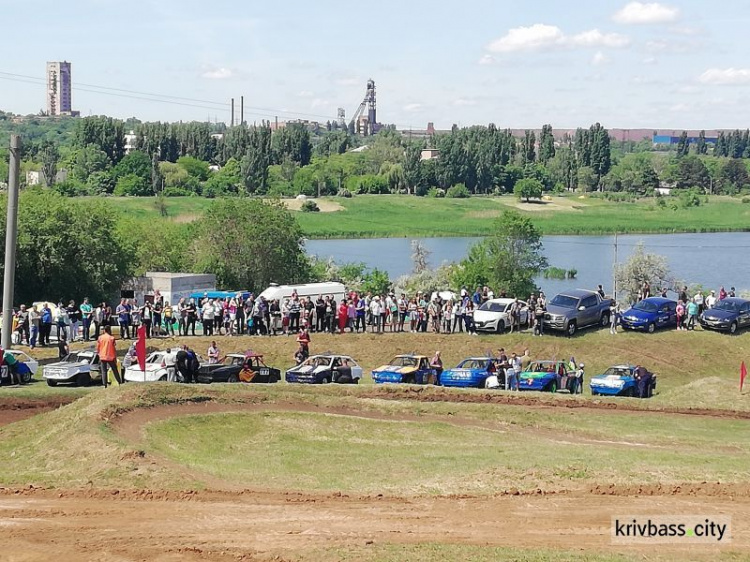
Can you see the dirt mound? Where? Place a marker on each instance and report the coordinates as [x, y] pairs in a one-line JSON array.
[[703, 489]]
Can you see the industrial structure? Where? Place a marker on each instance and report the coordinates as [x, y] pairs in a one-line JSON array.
[[365, 120], [59, 89]]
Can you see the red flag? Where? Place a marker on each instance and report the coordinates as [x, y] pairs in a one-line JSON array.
[[140, 348], [743, 374]]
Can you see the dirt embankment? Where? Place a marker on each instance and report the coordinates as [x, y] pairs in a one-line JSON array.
[[14, 409]]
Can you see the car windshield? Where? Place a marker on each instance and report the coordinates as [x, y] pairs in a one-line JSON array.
[[645, 306], [473, 364], [492, 307], [729, 306], [617, 372], [542, 367], [565, 301], [317, 361], [404, 361], [78, 358]]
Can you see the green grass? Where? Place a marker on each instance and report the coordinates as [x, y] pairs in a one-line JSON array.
[[372, 216], [527, 450]]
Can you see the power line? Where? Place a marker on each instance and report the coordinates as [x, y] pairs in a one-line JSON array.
[[259, 111]]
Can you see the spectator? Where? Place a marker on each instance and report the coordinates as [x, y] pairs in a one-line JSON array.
[[681, 311], [123, 318], [22, 326], [698, 299], [46, 325], [191, 310], [614, 317], [34, 324], [437, 364], [74, 316], [157, 311], [96, 318], [135, 318], [147, 317], [213, 353], [600, 290], [87, 312], [169, 319], [711, 300], [294, 313], [62, 346], [207, 317], [692, 313]]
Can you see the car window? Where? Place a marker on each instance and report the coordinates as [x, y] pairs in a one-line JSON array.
[[745, 308], [664, 308], [588, 302], [237, 361]]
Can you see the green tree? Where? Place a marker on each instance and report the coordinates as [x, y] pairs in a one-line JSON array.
[[601, 152], [376, 281], [49, 155], [136, 163], [249, 243], [157, 180], [88, 160], [508, 260], [733, 175], [107, 134], [546, 145], [528, 189], [692, 172], [683, 145], [528, 147], [133, 185], [642, 267], [67, 248], [194, 167], [412, 167], [701, 146]]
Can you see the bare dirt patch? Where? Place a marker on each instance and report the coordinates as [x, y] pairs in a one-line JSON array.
[[556, 205], [16, 409]]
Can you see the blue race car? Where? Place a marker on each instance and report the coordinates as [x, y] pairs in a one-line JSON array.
[[408, 369], [470, 373], [620, 380], [650, 314], [547, 376]]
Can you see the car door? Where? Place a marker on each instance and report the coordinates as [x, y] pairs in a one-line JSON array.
[[744, 316], [590, 314], [356, 369], [663, 316]]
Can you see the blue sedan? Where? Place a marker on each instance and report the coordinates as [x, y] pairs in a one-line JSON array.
[[470, 373], [728, 315], [650, 314], [620, 381]]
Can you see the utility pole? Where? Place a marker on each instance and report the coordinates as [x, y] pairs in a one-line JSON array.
[[232, 125], [614, 273], [242, 110], [11, 235]]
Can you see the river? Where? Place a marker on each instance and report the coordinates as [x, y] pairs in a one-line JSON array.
[[710, 260]]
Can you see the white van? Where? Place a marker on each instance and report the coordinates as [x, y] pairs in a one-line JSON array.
[[281, 292]]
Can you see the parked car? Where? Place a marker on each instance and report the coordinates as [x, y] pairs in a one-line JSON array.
[[619, 381], [239, 367], [650, 314], [471, 372], [408, 369], [324, 369], [569, 312], [727, 315], [494, 315], [547, 376], [160, 366], [79, 367]]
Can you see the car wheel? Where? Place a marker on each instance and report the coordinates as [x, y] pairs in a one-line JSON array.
[[629, 393], [51, 383], [163, 379], [26, 377], [233, 378], [733, 328], [410, 380], [651, 328], [594, 393], [605, 320], [83, 379], [551, 387], [571, 329], [325, 380], [500, 327]]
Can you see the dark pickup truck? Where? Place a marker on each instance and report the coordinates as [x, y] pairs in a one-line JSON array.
[[572, 310]]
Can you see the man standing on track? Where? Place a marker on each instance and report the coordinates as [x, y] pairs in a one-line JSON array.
[[107, 350]]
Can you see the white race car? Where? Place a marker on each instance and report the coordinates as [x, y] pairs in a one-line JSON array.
[[160, 366], [31, 363], [323, 369], [79, 367]]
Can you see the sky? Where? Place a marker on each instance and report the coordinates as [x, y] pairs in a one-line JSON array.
[[670, 65]]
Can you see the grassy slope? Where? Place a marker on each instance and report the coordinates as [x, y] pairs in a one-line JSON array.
[[498, 446], [395, 216]]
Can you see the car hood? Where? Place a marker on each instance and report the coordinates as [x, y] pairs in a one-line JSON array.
[[554, 309], [537, 374], [639, 314], [306, 369], [66, 365], [462, 370], [150, 367], [487, 314], [717, 314], [395, 369], [610, 378]]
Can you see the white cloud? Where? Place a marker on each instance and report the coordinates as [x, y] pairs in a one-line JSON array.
[[413, 107], [349, 81], [319, 102], [728, 76], [596, 38], [650, 60], [217, 73], [540, 37], [305, 94], [464, 102], [646, 13], [600, 59], [487, 60]]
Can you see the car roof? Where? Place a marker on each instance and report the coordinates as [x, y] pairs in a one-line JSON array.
[[502, 301], [411, 355], [735, 300], [578, 293]]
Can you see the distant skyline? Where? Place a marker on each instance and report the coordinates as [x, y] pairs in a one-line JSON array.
[[625, 64]]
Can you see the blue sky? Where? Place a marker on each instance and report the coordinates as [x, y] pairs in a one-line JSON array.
[[517, 64]]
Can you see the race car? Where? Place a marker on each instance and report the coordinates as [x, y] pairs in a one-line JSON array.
[[324, 369], [17, 367], [239, 367], [408, 369], [79, 367], [620, 380], [470, 373], [160, 366], [547, 376]]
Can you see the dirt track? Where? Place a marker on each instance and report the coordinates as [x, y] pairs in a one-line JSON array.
[[234, 524]]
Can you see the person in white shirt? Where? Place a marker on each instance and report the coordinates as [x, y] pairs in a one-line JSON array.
[[208, 317], [376, 309], [698, 299], [711, 300]]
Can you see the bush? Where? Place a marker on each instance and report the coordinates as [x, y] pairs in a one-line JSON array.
[[746, 199], [436, 192], [458, 191], [309, 206], [554, 273], [178, 192], [131, 184], [690, 198], [345, 193]]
